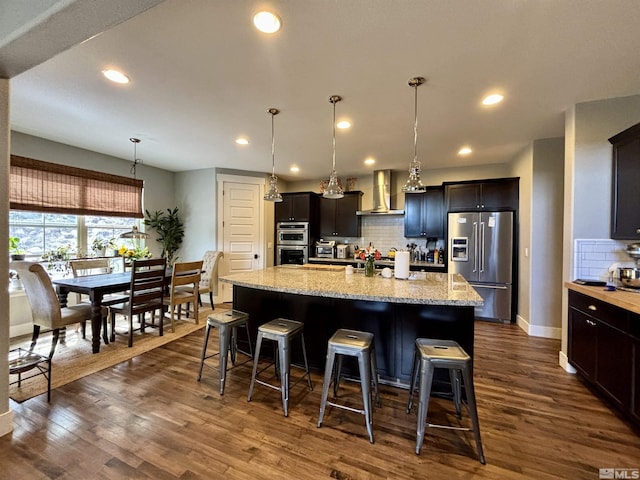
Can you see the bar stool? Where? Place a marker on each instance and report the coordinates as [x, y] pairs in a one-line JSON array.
[[354, 344], [431, 354], [281, 331], [227, 324]]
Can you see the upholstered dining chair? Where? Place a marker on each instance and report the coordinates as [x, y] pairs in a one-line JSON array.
[[94, 266], [185, 280], [45, 307], [209, 282], [146, 294]]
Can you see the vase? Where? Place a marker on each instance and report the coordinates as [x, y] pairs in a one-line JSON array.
[[369, 268]]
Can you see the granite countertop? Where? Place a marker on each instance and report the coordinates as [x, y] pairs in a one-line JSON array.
[[386, 262], [620, 298], [426, 289]]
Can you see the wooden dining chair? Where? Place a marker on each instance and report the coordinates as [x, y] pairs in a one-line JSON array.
[[45, 307], [185, 280], [95, 266], [146, 295]]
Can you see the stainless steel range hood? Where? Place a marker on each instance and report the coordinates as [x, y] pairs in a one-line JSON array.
[[381, 195]]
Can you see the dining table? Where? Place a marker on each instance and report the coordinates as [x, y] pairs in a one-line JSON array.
[[96, 287]]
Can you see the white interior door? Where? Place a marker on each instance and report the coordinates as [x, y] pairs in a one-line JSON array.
[[241, 229]]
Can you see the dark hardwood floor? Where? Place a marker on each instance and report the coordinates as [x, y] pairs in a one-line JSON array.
[[150, 418]]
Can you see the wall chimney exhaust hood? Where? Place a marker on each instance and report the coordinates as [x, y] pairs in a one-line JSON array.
[[381, 195]]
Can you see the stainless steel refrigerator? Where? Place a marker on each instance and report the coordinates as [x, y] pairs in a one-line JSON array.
[[481, 249]]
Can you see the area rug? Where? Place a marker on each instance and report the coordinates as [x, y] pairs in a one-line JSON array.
[[74, 360]]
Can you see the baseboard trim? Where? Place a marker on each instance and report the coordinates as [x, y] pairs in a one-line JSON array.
[[563, 360], [538, 330], [6, 423]]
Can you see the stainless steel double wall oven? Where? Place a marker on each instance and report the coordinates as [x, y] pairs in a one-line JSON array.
[[292, 243]]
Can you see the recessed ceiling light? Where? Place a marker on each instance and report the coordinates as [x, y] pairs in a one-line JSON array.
[[369, 161], [492, 99], [115, 76], [464, 151], [294, 169], [242, 141], [267, 22], [343, 124]]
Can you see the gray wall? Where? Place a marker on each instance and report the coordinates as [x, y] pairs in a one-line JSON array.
[[546, 233], [196, 198]]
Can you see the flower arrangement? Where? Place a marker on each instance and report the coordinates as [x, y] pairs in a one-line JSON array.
[[134, 252], [369, 255]]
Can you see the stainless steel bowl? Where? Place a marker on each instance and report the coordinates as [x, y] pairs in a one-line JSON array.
[[633, 250], [629, 277]]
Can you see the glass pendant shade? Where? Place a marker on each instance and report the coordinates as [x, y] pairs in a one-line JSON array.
[[273, 195], [333, 190], [134, 233], [413, 184]]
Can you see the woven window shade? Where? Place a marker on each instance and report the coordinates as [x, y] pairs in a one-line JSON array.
[[49, 187]]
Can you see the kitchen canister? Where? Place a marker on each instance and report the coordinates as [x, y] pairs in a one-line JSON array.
[[401, 265]]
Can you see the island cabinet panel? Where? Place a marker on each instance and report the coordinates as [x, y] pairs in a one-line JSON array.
[[485, 195], [600, 347], [635, 361], [625, 215], [424, 214], [377, 318], [298, 207], [338, 216], [395, 325]]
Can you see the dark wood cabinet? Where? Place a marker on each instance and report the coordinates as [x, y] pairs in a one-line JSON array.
[[625, 215], [338, 216], [424, 213], [298, 207], [488, 195], [600, 348], [634, 329], [582, 343]]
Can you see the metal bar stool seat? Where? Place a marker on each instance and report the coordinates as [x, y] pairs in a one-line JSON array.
[[429, 355], [357, 344], [227, 324], [282, 331]]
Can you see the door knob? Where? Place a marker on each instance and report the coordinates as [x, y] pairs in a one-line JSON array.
[[255, 256]]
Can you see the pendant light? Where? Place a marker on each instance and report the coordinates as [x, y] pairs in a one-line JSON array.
[[134, 232], [272, 194], [414, 185], [136, 161], [333, 190]]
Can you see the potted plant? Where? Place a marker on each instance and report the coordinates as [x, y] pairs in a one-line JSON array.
[[100, 245], [15, 251], [170, 230], [58, 259]]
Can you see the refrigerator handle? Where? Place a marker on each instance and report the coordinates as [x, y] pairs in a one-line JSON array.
[[481, 247], [475, 247]]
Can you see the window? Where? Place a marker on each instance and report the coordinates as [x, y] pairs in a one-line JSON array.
[[40, 233]]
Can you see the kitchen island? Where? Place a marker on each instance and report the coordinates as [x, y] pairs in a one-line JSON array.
[[433, 305]]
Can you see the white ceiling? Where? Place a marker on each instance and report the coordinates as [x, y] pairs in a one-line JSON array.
[[202, 76]]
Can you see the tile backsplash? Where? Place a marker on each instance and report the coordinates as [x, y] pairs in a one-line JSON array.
[[385, 232], [594, 257]]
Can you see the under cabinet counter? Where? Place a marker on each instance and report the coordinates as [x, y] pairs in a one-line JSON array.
[[619, 298]]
